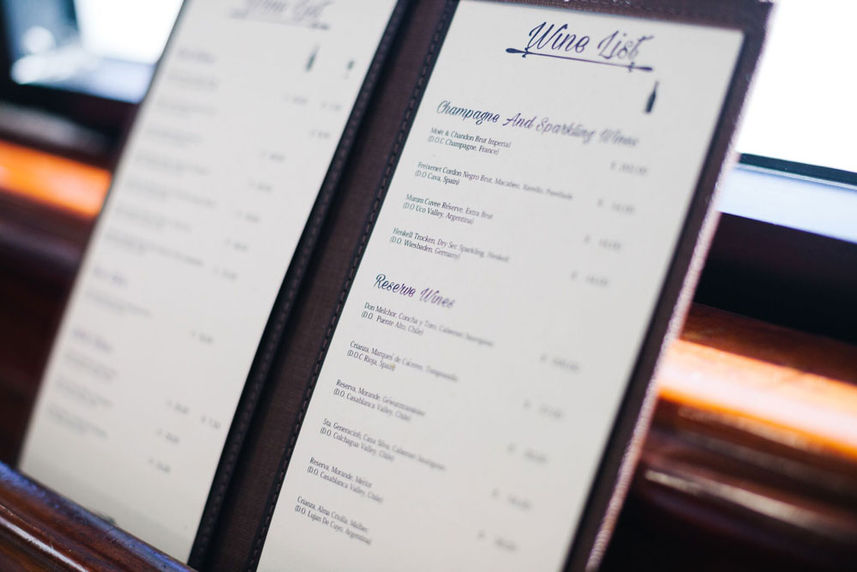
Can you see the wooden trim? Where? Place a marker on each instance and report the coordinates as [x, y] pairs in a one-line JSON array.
[[40, 530]]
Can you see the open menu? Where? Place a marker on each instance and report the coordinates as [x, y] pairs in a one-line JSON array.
[[488, 337], [214, 189]]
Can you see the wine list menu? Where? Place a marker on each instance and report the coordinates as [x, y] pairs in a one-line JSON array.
[[493, 323], [211, 196]]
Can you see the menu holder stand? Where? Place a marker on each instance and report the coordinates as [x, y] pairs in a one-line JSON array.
[[264, 461]]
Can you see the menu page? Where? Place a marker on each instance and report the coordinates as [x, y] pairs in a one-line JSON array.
[[491, 329], [213, 192]]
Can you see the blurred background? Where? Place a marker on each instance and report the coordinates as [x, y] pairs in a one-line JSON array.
[[105, 48], [752, 459], [71, 71]]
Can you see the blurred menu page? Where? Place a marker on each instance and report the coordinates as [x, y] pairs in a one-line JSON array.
[[494, 321], [212, 194]]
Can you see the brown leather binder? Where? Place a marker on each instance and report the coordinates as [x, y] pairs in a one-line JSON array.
[[265, 464]]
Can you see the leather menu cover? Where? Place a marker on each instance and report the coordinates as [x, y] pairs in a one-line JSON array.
[[467, 373], [465, 379]]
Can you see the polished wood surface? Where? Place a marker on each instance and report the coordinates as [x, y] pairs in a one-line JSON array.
[[39, 530], [797, 389], [751, 461], [55, 181]]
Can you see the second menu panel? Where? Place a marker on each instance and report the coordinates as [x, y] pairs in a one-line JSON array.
[[213, 191]]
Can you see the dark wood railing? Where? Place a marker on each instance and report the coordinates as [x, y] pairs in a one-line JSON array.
[[41, 530]]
